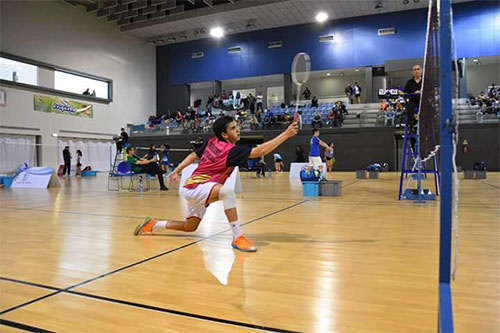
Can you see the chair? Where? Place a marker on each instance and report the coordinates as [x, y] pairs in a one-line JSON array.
[[123, 169]]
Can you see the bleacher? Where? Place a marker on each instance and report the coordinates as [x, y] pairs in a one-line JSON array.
[[359, 115]]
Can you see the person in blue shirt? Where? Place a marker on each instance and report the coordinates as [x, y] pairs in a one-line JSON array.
[[314, 156], [164, 158], [278, 162]]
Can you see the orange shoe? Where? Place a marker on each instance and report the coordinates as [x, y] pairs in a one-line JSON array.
[[145, 227], [243, 244]]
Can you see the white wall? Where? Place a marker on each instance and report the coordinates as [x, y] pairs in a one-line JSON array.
[[52, 32], [479, 77], [200, 93]]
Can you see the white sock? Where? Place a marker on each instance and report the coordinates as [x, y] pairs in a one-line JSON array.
[[235, 228], [160, 225]]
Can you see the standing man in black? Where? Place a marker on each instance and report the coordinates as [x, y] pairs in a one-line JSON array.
[[67, 160], [413, 85]]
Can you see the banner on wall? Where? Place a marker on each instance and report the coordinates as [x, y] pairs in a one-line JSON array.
[[62, 106]]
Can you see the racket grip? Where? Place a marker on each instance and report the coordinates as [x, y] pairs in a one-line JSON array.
[[296, 117]]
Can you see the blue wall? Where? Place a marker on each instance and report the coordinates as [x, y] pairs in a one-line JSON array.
[[477, 30]]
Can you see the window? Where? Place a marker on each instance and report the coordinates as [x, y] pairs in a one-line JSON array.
[[32, 74], [80, 85], [15, 71]]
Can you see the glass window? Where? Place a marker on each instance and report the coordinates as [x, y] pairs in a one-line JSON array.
[[80, 85], [15, 71]]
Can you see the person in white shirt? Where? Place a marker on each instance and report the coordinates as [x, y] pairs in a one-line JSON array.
[[260, 98]]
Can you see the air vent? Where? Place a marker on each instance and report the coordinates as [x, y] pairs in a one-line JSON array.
[[274, 45], [195, 55], [234, 49], [386, 31], [326, 39]]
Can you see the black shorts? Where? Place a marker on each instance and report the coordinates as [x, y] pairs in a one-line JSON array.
[[278, 161]]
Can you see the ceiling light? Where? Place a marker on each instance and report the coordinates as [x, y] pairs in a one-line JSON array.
[[356, 70], [321, 17], [217, 32], [475, 60], [328, 74]]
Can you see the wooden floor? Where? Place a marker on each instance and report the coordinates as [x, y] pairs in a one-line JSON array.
[[362, 262]]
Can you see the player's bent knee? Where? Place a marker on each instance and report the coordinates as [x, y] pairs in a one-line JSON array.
[[228, 197]]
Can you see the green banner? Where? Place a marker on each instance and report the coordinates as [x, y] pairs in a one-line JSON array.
[[62, 106]]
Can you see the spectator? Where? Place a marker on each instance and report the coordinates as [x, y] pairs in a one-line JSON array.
[[299, 153], [78, 163], [492, 92], [356, 89], [143, 165], [317, 120], [67, 160], [278, 162], [330, 118], [251, 103], [349, 93], [224, 95], [314, 102], [329, 158], [307, 93], [179, 118], [165, 158], [86, 92], [260, 98], [254, 123]]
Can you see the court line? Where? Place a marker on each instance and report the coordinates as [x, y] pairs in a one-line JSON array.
[[486, 183], [141, 306], [68, 289], [23, 327]]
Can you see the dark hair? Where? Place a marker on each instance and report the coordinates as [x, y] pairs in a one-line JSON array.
[[79, 152], [220, 126], [151, 147], [315, 130]]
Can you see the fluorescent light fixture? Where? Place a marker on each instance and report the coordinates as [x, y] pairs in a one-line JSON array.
[[55, 135], [475, 60], [356, 70], [321, 17], [217, 32], [328, 74]]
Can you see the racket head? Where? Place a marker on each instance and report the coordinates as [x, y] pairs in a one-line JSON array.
[[301, 68]]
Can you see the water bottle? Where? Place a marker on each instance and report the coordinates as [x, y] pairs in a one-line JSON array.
[[270, 174], [141, 185]]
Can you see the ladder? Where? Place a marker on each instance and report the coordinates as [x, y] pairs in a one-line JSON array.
[[413, 167]]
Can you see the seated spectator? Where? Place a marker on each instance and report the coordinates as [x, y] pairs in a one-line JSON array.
[[143, 165], [314, 102], [389, 116], [492, 92], [330, 117], [179, 118], [317, 120], [254, 123]]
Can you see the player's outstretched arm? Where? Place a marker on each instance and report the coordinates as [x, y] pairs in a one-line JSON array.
[[191, 158], [272, 144]]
